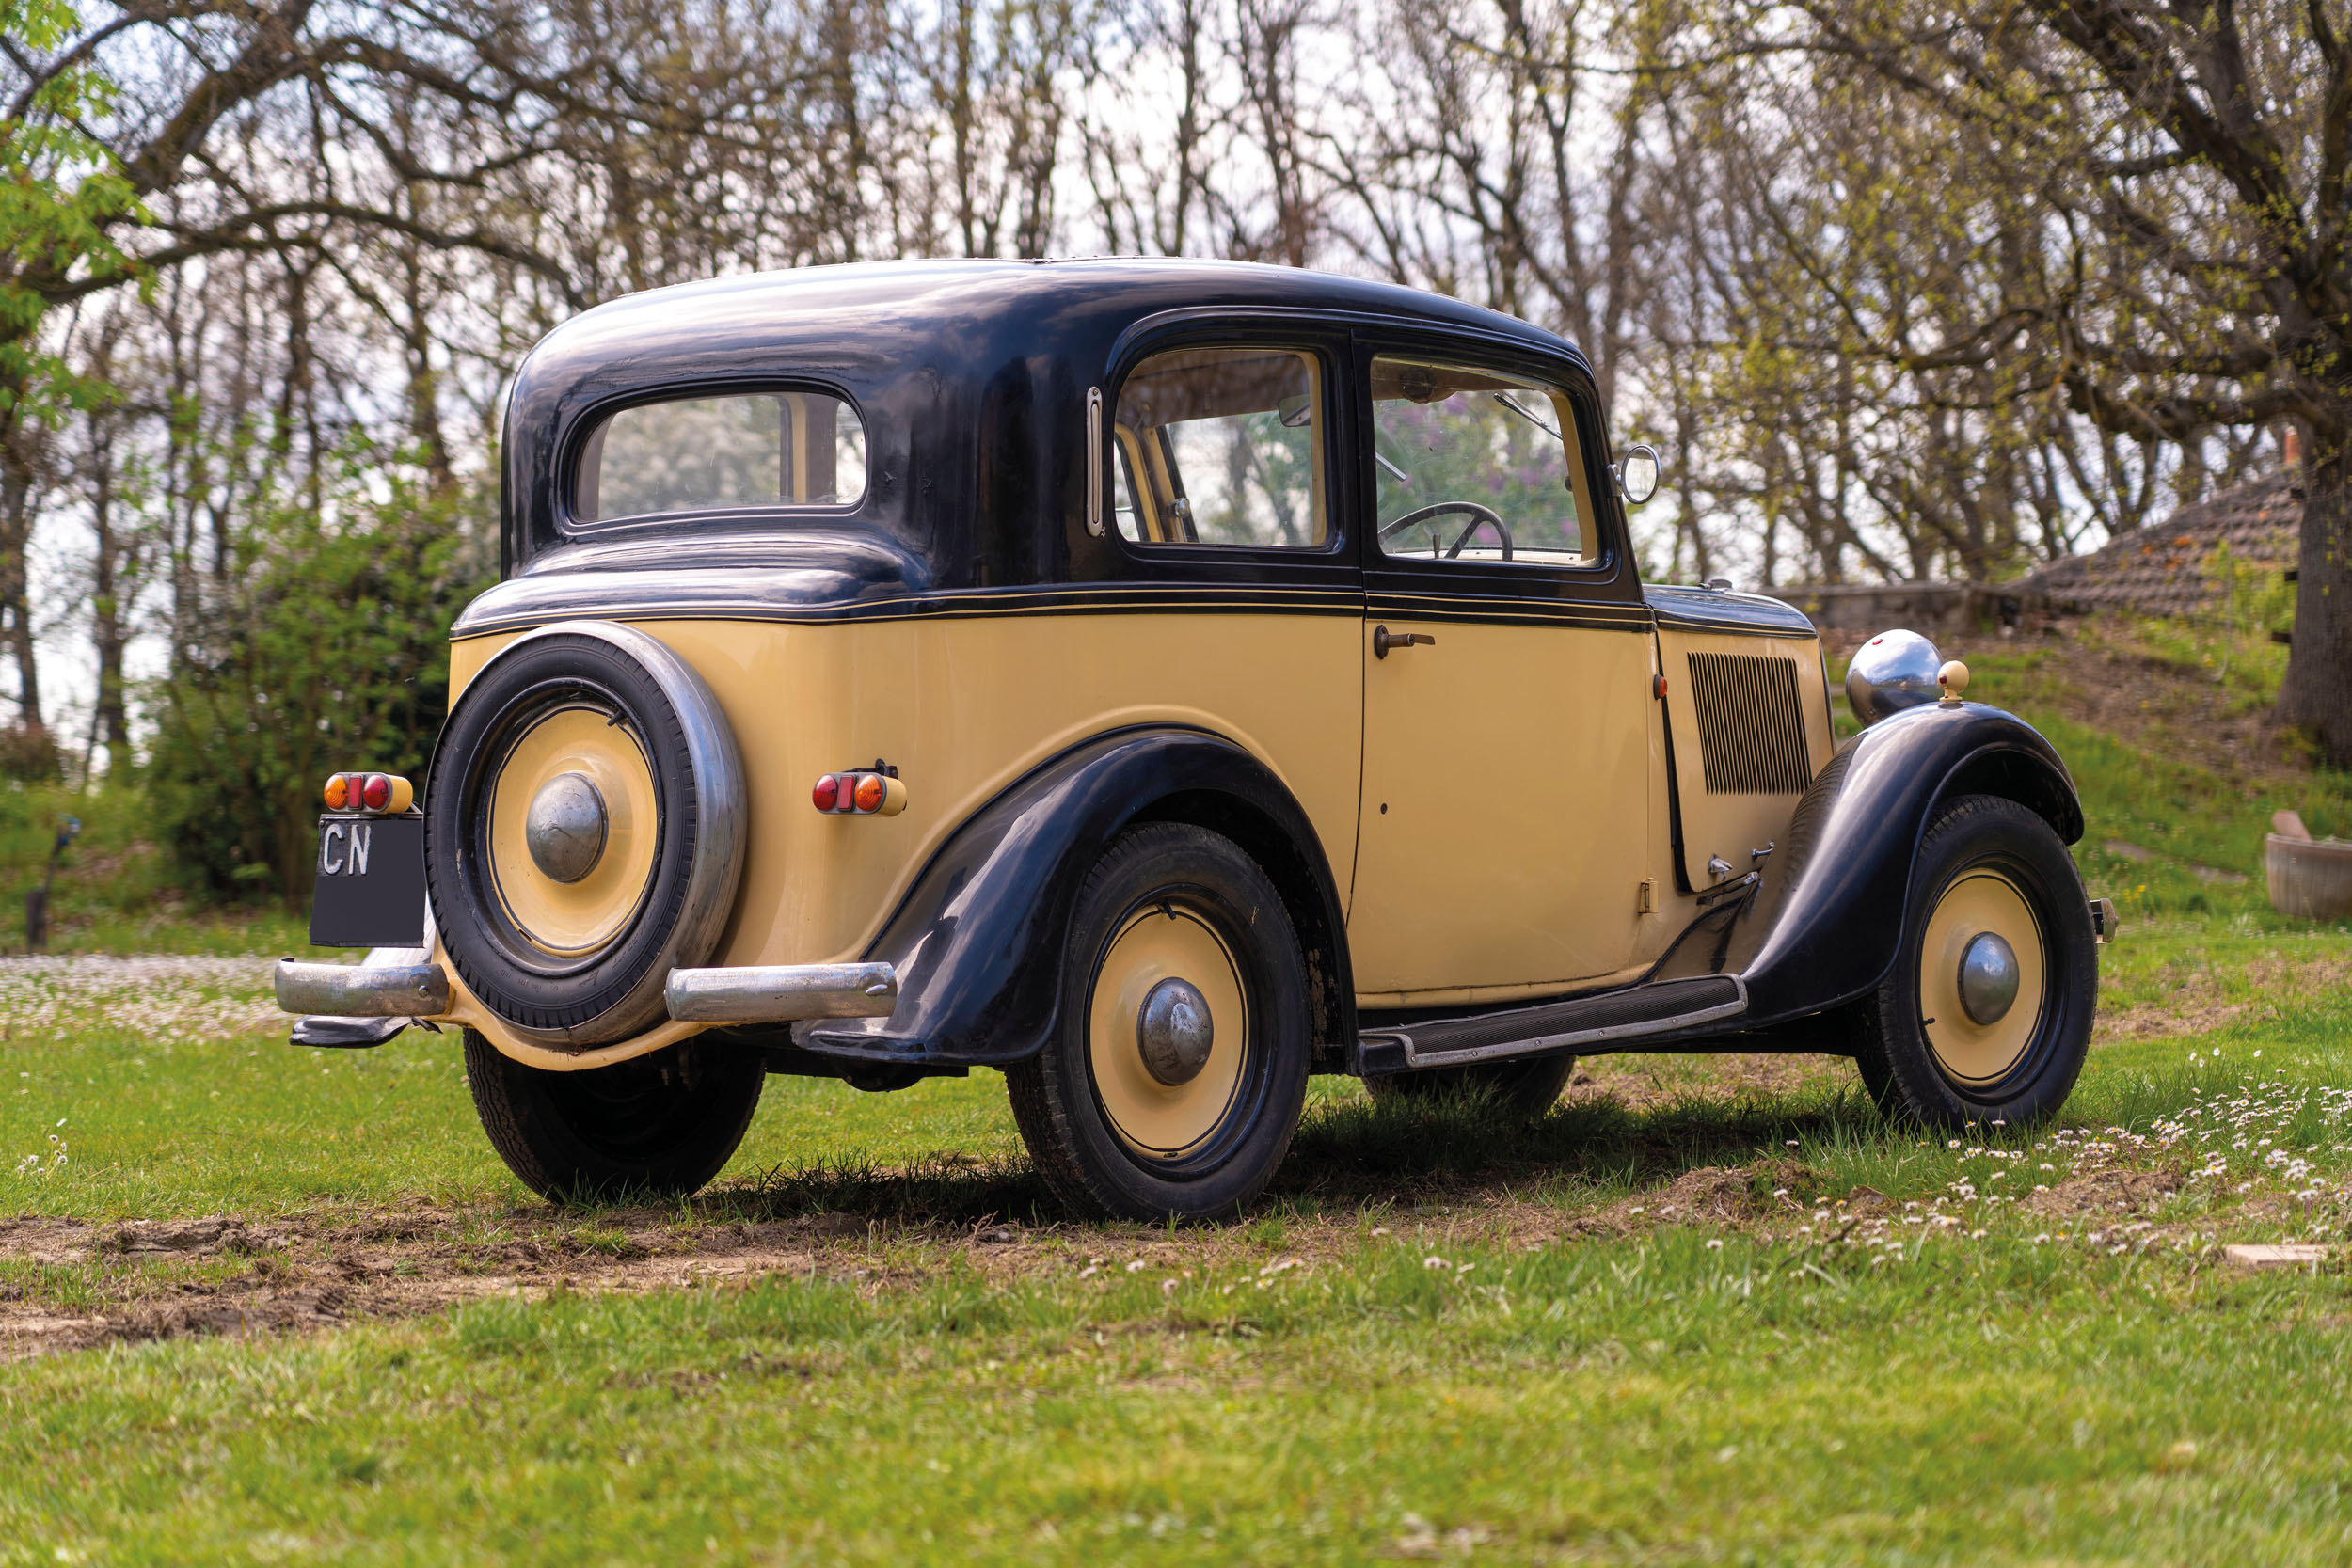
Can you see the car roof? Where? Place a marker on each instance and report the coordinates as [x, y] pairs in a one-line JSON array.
[[971, 377], [849, 302]]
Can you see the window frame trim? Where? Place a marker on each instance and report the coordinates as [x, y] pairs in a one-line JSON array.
[[1323, 343], [1610, 568], [589, 425]]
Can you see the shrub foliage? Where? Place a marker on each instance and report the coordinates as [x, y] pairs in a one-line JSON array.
[[326, 649]]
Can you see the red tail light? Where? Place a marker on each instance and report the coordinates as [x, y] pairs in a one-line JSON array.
[[381, 794], [861, 792]]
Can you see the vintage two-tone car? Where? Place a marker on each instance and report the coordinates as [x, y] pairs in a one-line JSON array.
[[1156, 681]]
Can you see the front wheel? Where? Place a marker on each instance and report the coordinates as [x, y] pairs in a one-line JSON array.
[[1174, 1081], [657, 1125], [1986, 1015]]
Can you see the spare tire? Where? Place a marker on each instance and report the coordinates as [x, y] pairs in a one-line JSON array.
[[583, 831]]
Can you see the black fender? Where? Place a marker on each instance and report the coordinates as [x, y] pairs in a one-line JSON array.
[[977, 939], [1827, 921]]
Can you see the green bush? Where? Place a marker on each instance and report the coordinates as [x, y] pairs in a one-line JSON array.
[[328, 651]]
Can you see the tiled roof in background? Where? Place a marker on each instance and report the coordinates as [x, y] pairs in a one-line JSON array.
[[2160, 570]]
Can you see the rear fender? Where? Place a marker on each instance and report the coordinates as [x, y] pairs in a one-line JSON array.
[[977, 940], [1828, 920]]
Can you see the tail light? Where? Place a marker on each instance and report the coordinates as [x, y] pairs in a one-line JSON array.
[[874, 791], [378, 794]]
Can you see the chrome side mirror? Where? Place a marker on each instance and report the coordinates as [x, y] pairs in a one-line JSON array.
[[1637, 473]]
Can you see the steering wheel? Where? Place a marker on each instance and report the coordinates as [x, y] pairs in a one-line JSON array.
[[1478, 514]]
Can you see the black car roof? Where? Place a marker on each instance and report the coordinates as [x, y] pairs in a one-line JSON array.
[[971, 376]]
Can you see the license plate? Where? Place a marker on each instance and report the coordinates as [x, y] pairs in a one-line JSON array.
[[370, 886]]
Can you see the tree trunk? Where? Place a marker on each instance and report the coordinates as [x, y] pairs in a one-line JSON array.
[[33, 749], [2318, 690], [111, 570]]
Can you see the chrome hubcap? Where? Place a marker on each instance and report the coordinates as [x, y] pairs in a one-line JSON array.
[[1174, 1032], [565, 827], [1987, 978]]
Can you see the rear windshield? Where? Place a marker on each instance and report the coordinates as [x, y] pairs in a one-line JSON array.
[[756, 451]]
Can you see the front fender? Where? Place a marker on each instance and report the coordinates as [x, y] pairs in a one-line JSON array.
[[977, 940], [1828, 921]]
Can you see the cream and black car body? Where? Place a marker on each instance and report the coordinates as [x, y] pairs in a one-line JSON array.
[[1158, 682]]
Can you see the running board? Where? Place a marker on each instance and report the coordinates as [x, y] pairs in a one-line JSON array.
[[1662, 1008]]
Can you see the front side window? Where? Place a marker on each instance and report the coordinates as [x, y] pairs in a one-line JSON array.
[[1222, 446], [729, 454], [1477, 464]]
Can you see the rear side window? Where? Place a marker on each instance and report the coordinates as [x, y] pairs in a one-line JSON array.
[[746, 452], [1222, 446]]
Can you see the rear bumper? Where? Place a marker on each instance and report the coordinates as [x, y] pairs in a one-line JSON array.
[[398, 983], [374, 989], [781, 993]]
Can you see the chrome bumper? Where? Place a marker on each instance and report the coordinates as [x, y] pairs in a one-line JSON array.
[[777, 994], [369, 990], [781, 993]]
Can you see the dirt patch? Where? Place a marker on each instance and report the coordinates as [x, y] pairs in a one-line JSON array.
[[1713, 1196], [75, 1285], [2103, 1193], [1646, 1083], [2195, 1002], [224, 1276], [2095, 673], [96, 1284]]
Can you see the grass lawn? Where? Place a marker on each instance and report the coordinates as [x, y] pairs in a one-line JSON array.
[[1708, 1310]]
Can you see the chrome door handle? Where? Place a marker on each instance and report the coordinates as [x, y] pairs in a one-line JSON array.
[[1383, 640]]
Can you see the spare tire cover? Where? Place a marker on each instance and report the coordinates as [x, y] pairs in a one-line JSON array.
[[583, 831]]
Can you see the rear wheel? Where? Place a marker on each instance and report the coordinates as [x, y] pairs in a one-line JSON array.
[[1525, 1088], [1986, 1015], [661, 1124], [1174, 1080]]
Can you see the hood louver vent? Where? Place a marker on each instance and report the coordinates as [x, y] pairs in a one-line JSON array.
[[1751, 735]]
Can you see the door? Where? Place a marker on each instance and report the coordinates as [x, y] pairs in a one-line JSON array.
[[1507, 684], [1229, 496]]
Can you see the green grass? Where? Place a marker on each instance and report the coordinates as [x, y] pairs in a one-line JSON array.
[[1484, 1357], [1621, 1402], [1941, 1398]]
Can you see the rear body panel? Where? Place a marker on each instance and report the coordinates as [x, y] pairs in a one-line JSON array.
[[964, 703]]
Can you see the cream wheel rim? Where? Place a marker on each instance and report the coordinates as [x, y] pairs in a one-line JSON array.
[[1160, 1121], [1980, 902], [569, 919]]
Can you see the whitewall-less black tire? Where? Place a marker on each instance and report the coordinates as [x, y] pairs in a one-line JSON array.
[[659, 1125], [1938, 1045], [1174, 1078]]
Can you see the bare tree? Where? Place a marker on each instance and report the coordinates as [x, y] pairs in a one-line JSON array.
[[2161, 213]]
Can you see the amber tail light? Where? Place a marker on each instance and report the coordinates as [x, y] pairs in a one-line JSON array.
[[378, 794], [874, 791]]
